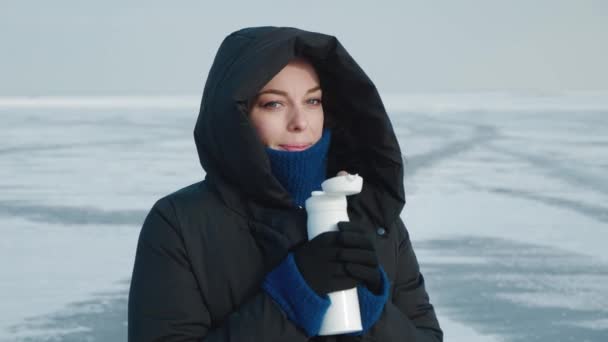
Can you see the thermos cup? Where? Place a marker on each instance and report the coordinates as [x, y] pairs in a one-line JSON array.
[[325, 209]]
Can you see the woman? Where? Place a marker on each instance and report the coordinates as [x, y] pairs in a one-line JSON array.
[[227, 259]]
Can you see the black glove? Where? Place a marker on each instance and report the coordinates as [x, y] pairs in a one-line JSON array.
[[318, 263], [362, 260], [339, 260]]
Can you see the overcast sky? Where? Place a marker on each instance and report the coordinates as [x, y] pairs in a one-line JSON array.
[[125, 47]]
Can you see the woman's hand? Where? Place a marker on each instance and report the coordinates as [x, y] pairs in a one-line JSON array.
[[320, 264], [363, 264]]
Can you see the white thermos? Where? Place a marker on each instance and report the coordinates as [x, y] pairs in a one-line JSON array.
[[325, 209]]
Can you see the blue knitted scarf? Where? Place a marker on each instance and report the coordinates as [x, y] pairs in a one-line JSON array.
[[301, 172]]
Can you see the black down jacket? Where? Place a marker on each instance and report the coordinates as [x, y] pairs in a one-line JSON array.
[[204, 250]]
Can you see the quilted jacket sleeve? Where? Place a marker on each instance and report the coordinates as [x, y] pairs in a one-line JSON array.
[[165, 303]]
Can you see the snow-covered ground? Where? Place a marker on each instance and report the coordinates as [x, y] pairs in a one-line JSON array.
[[507, 206]]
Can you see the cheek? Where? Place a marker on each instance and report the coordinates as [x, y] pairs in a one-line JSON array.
[[317, 122], [268, 130]]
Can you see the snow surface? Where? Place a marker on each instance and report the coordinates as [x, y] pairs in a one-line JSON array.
[[507, 207]]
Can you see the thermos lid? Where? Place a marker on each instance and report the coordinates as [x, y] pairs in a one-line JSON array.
[[335, 190], [343, 185]]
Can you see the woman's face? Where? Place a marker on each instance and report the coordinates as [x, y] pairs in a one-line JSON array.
[[287, 112]]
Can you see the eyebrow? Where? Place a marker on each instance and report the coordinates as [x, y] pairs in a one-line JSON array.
[[280, 92]]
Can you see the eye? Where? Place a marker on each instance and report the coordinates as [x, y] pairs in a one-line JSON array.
[[315, 101], [272, 104]]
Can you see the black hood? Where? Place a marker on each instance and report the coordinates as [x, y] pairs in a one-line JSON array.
[[363, 140]]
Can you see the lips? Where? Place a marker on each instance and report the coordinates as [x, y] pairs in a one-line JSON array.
[[295, 147]]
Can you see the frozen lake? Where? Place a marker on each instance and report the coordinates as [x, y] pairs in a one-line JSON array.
[[507, 207]]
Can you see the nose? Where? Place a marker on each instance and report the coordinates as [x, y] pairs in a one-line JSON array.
[[298, 120]]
